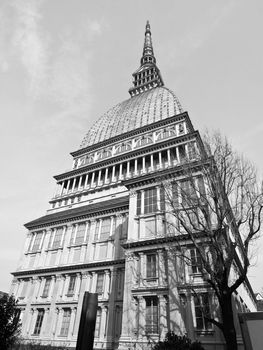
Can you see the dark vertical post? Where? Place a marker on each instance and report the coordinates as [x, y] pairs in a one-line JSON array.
[[87, 321]]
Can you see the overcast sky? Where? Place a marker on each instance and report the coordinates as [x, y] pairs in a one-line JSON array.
[[63, 63]]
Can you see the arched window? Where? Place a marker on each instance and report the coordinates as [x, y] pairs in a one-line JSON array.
[[89, 159], [144, 140], [105, 153], [124, 147], [165, 133]]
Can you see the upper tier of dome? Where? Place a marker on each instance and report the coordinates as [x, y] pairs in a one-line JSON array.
[[143, 109]]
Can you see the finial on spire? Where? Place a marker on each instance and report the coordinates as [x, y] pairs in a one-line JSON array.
[[148, 75]]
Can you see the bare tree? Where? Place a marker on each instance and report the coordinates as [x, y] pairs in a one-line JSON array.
[[217, 205]]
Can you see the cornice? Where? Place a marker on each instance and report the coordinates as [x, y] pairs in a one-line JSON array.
[[127, 156], [91, 210], [137, 131], [77, 268]]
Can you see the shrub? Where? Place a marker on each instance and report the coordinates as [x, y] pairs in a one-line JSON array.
[[173, 341]]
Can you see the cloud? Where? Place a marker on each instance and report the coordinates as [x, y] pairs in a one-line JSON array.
[[31, 43]]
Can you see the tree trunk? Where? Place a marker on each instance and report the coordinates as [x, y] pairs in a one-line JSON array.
[[229, 329]]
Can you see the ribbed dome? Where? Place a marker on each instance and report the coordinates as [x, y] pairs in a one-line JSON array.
[[146, 108]]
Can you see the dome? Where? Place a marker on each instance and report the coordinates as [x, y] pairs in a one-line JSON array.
[[146, 108]]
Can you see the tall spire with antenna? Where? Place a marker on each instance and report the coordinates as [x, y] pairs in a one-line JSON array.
[[148, 75]]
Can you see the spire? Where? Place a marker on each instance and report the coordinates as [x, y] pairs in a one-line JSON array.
[[148, 47], [148, 75]]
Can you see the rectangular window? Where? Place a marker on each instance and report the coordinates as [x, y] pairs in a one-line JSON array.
[[57, 239], [151, 318], [196, 262], [151, 266], [103, 251], [105, 229], [100, 280], [65, 322], [46, 288], [80, 234], [188, 193], [97, 326], [150, 200], [37, 241], [76, 255], [124, 227], [71, 286], [24, 289], [39, 321], [139, 203], [202, 311]]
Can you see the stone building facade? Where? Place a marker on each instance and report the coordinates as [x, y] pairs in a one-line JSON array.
[[105, 231]]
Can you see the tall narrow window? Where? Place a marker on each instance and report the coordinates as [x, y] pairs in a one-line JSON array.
[[39, 321], [24, 289], [151, 266], [150, 200], [202, 311], [188, 193], [97, 228], [100, 280], [151, 318], [46, 288], [57, 238], [139, 202], [105, 229], [65, 322], [71, 286], [196, 262], [80, 234], [37, 241]]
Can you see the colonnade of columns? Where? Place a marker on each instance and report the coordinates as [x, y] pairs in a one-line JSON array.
[[138, 166]]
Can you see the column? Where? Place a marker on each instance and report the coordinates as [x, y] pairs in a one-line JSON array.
[[152, 162], [161, 268], [106, 285], [77, 286], [177, 154], [59, 321], [120, 175], [45, 322], [60, 280], [55, 322], [113, 173], [99, 178], [94, 282], [141, 269], [186, 151], [32, 321], [68, 183], [158, 195], [142, 201], [163, 316], [92, 179], [41, 287], [62, 188], [51, 288], [86, 181], [74, 183], [169, 157], [135, 167], [103, 321], [72, 321], [106, 175], [142, 306], [128, 169], [86, 231], [80, 181], [143, 165], [160, 160]]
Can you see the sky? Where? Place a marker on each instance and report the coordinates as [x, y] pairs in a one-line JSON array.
[[63, 63]]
